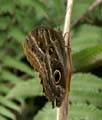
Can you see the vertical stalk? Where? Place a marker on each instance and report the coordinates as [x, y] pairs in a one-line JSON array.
[[62, 111]]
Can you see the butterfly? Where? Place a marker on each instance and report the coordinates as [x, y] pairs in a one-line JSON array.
[[45, 50]]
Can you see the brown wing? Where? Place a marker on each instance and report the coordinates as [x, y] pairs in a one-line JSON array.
[[44, 49]]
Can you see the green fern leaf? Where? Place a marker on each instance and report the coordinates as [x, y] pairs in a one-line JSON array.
[[8, 76], [7, 113], [14, 63], [26, 89], [87, 58], [9, 104]]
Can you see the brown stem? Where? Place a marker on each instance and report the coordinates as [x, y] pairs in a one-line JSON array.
[[62, 112]]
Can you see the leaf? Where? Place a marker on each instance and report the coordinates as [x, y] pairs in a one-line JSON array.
[[4, 89], [83, 89], [46, 114], [86, 88], [78, 93], [4, 22], [84, 112], [2, 118], [7, 113], [26, 89], [24, 20], [85, 36], [14, 63], [2, 40], [38, 5], [9, 104], [6, 6], [80, 7], [87, 59], [8, 76], [77, 112], [17, 34]]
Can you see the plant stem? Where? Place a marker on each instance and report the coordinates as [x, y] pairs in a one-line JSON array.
[[62, 111]]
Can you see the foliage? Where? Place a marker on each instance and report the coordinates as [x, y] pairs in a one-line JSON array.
[[19, 83]]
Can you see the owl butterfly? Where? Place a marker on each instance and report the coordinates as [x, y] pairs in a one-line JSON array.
[[45, 50]]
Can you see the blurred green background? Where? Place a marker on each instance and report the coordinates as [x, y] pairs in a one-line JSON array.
[[21, 96]]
